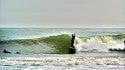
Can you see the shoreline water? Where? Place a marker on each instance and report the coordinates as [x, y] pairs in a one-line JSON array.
[[62, 62]]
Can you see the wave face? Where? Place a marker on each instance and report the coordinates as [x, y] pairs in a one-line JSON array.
[[60, 44], [51, 44]]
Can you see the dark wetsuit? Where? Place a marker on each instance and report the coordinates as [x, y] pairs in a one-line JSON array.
[[72, 40], [5, 51], [124, 42], [72, 49]]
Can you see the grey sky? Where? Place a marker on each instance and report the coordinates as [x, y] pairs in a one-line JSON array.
[[62, 13]]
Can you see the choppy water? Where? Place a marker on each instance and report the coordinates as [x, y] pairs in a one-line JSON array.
[[47, 48], [86, 61]]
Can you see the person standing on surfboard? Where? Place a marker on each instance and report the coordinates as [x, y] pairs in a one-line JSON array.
[[72, 49]]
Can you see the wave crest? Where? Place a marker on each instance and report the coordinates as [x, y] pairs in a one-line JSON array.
[[60, 44]]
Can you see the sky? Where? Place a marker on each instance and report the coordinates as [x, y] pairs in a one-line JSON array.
[[62, 13]]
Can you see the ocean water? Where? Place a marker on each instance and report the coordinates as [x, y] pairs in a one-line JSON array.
[[26, 33], [47, 49]]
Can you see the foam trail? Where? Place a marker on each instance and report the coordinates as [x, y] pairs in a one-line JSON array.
[[94, 44]]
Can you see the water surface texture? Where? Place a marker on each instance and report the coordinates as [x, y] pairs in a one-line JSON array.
[[47, 48]]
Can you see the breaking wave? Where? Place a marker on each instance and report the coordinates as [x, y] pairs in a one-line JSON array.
[[60, 44], [51, 44], [100, 43]]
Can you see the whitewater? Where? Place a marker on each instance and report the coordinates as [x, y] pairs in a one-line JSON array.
[[47, 48]]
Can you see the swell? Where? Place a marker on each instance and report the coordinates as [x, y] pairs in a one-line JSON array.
[[65, 37], [60, 44], [55, 44], [104, 38]]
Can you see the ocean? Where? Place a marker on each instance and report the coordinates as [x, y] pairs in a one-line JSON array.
[[47, 49]]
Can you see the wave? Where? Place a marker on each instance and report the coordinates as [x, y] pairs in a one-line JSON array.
[[50, 44], [100, 43], [61, 43]]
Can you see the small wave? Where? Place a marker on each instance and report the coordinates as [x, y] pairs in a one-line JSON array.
[[63, 61]]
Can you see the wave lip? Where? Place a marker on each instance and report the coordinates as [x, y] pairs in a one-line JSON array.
[[51, 44], [60, 44]]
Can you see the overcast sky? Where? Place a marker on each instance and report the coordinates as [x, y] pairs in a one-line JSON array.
[[62, 13]]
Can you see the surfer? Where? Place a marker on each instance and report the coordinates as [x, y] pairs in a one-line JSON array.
[[72, 40], [5, 51], [72, 49], [124, 45], [17, 52], [124, 42]]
